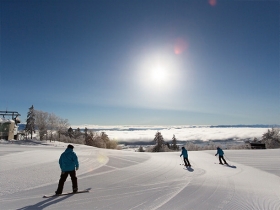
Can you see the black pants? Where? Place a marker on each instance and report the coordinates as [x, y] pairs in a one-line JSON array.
[[63, 178], [186, 160], [221, 157]]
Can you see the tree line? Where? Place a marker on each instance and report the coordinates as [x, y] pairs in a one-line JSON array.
[[271, 139], [51, 127], [161, 145]]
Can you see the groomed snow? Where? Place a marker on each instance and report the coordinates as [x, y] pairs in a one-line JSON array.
[[133, 180]]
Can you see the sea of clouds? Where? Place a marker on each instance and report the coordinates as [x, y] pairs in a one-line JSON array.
[[182, 133]]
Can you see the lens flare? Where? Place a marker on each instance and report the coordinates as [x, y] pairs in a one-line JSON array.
[[212, 2], [180, 46]]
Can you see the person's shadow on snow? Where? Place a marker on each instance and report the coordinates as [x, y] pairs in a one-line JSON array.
[[231, 166], [46, 202], [190, 169]]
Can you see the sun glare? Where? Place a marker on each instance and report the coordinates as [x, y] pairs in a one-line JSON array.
[[159, 74]]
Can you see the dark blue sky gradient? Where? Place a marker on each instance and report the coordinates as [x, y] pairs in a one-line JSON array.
[[90, 61]]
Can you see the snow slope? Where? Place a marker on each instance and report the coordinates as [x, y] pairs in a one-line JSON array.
[[132, 180]]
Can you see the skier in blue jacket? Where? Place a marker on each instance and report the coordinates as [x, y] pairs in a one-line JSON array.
[[185, 156], [69, 163], [221, 155]]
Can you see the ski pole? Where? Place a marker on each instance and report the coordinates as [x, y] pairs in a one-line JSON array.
[[182, 162], [217, 158]]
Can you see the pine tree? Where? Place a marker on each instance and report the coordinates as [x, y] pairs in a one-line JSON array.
[[159, 142], [86, 133], [77, 133], [141, 149], [30, 121], [105, 139], [70, 132], [174, 143]]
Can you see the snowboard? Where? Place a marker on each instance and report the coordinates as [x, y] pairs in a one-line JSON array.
[[66, 193]]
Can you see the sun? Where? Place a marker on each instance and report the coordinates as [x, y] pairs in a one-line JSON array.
[[159, 74]]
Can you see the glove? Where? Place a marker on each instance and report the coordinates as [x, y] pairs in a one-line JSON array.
[[62, 172], [77, 168], [216, 155]]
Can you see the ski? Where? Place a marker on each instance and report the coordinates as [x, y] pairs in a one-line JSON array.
[[66, 193]]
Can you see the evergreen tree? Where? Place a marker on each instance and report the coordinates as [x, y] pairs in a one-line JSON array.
[[30, 121], [70, 132], [77, 133], [174, 143], [159, 141], [105, 139], [86, 133], [141, 149]]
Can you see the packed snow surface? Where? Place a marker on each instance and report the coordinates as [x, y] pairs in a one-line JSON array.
[[134, 180]]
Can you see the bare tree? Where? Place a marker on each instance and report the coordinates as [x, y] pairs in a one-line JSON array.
[[52, 121], [41, 122], [62, 126]]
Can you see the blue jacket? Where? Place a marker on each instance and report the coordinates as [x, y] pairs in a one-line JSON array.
[[68, 160], [184, 153], [220, 151]]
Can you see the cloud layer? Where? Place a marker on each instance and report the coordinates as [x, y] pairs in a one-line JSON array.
[[183, 133]]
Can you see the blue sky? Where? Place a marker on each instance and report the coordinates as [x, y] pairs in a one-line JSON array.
[[142, 62]]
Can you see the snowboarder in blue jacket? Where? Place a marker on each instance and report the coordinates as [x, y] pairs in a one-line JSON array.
[[221, 155], [68, 163], [185, 156]]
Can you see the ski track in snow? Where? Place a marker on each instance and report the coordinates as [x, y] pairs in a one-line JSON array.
[[132, 180]]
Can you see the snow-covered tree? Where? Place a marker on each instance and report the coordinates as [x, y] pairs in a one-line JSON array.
[[30, 121], [62, 126], [52, 121], [41, 122], [272, 138], [105, 138]]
